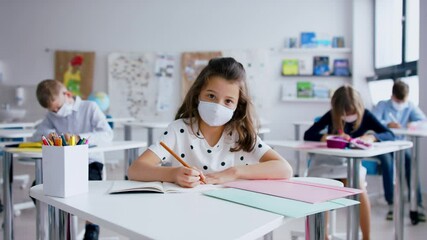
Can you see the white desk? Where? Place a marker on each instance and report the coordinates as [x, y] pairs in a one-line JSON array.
[[19, 124], [130, 147], [150, 126], [16, 133], [165, 216], [414, 136], [353, 157]]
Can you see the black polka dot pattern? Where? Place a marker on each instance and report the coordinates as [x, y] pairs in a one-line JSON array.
[[191, 146], [242, 158], [163, 158], [165, 133], [198, 134], [182, 155], [181, 131], [222, 163], [209, 151], [260, 145], [205, 167]]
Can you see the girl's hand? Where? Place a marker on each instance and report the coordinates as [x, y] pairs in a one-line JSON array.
[[224, 176], [368, 138], [187, 177]]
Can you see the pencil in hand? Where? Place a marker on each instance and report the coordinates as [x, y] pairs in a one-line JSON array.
[[180, 159]]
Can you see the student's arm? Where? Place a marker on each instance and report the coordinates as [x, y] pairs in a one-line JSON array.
[[314, 132], [382, 133], [101, 130], [147, 169], [379, 112], [416, 114], [270, 166], [44, 128]]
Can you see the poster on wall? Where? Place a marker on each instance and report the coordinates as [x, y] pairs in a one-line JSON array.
[[75, 70], [140, 84], [192, 64]]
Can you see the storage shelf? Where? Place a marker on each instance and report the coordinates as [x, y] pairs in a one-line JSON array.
[[317, 76], [310, 100], [314, 50]]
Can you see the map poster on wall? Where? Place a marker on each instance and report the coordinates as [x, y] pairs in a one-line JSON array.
[[131, 85], [192, 64], [75, 70]]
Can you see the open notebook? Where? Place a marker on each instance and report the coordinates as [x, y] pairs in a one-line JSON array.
[[122, 186]]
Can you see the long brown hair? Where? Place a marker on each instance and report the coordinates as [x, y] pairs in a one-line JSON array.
[[243, 117], [346, 100]]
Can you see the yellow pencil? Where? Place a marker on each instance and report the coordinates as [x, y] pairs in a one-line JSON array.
[[178, 158]]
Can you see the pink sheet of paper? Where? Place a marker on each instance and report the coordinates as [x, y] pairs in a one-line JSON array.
[[296, 190]]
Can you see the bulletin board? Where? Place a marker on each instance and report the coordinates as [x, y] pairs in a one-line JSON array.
[[140, 84], [75, 70], [192, 64]]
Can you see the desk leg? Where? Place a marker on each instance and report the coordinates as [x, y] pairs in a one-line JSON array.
[[150, 136], [41, 208], [315, 226], [53, 222], [297, 153], [7, 195], [128, 132], [268, 236], [64, 225], [130, 156], [414, 181], [353, 212], [398, 208]]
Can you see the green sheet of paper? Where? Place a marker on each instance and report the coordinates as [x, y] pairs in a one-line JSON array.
[[283, 206]]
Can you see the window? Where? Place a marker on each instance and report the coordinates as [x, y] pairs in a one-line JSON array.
[[382, 89], [396, 38]]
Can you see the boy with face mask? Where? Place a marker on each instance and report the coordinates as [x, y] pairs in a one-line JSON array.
[[71, 114], [398, 112]]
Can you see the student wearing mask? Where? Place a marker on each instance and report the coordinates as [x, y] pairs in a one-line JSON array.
[[398, 112], [71, 114]]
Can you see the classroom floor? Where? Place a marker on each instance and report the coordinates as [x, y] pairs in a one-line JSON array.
[[381, 229]]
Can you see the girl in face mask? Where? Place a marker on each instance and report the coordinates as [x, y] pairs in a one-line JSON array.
[[215, 133], [347, 118]]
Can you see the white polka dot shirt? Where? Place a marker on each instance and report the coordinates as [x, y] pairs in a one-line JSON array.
[[196, 151]]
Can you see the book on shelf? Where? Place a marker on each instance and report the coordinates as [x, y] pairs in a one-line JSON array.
[[321, 66], [304, 89], [290, 67], [124, 186], [341, 67], [308, 40], [320, 92], [338, 42]]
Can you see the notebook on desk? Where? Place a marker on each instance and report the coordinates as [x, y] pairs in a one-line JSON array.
[[282, 206], [298, 190], [123, 186]]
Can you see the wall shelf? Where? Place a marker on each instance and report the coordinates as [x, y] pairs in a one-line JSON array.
[[309, 100], [314, 50], [316, 76]]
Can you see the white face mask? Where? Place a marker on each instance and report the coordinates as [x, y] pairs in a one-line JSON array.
[[349, 118], [399, 106], [65, 110], [214, 114]]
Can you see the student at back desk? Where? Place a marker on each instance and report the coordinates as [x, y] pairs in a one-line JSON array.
[[347, 118], [71, 114]]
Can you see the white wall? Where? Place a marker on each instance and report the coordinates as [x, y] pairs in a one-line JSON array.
[[106, 26]]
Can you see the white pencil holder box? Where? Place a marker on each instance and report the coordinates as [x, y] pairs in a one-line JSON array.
[[65, 170]]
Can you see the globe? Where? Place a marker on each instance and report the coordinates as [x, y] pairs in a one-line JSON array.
[[100, 98]]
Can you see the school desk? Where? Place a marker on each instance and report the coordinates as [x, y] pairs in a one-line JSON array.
[[297, 134], [165, 216], [16, 133], [130, 147], [414, 135], [150, 126], [20, 124], [354, 157]]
